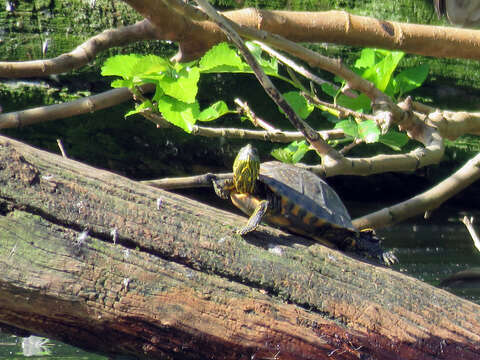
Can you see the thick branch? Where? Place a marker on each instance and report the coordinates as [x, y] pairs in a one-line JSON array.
[[452, 124], [81, 55], [332, 26], [429, 200], [65, 110]]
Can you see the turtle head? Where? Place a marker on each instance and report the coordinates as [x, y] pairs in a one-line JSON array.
[[245, 169]]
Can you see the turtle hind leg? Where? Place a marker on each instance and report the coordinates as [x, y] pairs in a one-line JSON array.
[[255, 218], [369, 243], [389, 258]]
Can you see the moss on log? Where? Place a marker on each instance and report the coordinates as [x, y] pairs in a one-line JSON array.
[[159, 275]]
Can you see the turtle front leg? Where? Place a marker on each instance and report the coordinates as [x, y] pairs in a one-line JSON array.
[[222, 188], [255, 218]]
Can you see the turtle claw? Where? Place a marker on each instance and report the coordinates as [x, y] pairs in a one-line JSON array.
[[244, 231], [389, 258]]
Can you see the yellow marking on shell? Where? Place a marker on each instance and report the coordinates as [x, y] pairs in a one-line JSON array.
[[278, 220], [286, 205], [319, 223], [309, 218], [296, 209]]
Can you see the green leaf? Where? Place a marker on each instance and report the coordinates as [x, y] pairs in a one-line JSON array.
[[270, 66], [119, 83], [222, 58], [349, 127], [299, 104], [158, 93], [183, 86], [151, 64], [394, 139], [368, 131], [179, 113], [121, 65], [410, 79], [381, 73], [367, 59], [135, 68], [360, 103], [214, 111], [293, 153], [145, 105], [329, 89]]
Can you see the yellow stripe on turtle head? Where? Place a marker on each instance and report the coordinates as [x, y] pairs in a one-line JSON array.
[[246, 168]]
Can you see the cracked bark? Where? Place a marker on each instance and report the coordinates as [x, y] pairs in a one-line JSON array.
[[173, 281]]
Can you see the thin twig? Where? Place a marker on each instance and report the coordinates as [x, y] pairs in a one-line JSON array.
[[473, 233], [343, 112], [186, 182], [62, 150], [350, 146], [254, 118], [298, 68]]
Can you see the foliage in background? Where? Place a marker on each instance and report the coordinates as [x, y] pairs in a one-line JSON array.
[[176, 92]]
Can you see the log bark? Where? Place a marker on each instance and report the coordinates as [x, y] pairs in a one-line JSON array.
[[162, 276]]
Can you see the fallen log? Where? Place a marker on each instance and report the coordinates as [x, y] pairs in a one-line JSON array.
[[117, 267]]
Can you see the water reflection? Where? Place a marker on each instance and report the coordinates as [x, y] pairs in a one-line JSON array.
[[35, 346], [13, 347]]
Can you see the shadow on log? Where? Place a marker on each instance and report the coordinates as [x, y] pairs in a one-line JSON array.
[[161, 276]]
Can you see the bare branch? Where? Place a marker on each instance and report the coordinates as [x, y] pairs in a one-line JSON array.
[[337, 27], [429, 200], [292, 64], [61, 111], [473, 233], [62, 149], [81, 55], [258, 122], [452, 124], [187, 182], [274, 136], [343, 112]]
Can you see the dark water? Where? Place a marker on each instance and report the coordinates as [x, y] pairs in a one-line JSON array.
[[434, 249], [430, 250]]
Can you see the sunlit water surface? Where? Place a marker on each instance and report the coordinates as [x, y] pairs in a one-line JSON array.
[[430, 250]]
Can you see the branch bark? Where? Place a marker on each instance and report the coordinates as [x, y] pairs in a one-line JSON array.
[[173, 280], [427, 201], [328, 26], [79, 56]]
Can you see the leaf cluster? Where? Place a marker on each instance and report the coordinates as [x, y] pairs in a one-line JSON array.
[[176, 86]]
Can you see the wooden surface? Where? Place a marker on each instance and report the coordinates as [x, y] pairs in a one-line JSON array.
[[177, 282]]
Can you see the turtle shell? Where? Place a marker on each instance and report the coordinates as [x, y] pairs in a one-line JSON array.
[[302, 203], [305, 203]]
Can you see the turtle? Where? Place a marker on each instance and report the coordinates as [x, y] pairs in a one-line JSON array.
[[296, 200]]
